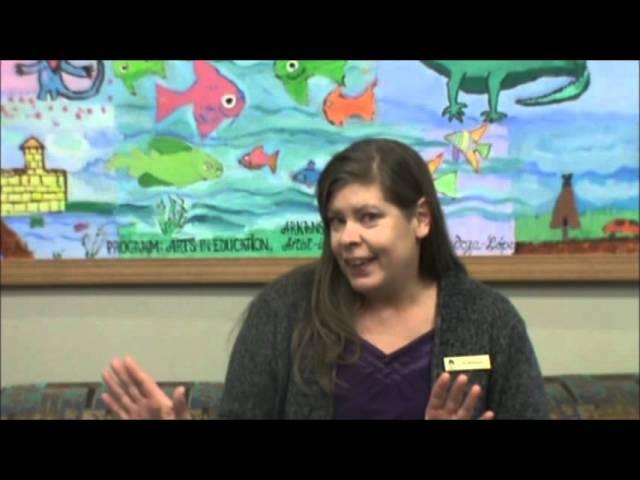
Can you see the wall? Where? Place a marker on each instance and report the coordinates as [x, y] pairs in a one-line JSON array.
[[64, 335]]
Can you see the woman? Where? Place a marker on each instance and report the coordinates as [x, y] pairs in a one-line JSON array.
[[387, 325]]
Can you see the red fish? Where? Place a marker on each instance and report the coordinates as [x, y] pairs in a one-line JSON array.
[[258, 158], [214, 98]]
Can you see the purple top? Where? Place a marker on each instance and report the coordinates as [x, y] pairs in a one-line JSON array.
[[380, 386]]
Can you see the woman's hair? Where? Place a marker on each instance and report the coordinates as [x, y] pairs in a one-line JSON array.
[[404, 179]]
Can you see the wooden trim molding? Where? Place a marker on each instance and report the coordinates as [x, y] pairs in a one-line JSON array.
[[516, 268]]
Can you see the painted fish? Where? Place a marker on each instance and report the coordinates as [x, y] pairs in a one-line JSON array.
[[435, 163], [338, 107], [295, 75], [308, 175], [467, 143], [130, 71], [446, 184], [214, 98], [168, 162], [258, 158]]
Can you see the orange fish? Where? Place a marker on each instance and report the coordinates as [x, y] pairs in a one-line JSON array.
[[338, 108]]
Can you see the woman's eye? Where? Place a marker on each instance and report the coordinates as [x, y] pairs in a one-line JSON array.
[[335, 222], [369, 217]]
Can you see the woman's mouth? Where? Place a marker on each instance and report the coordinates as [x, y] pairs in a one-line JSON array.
[[358, 262]]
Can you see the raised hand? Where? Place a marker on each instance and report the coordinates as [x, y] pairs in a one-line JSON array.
[[453, 406], [134, 394]]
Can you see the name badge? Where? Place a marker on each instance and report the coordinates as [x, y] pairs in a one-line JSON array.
[[469, 362]]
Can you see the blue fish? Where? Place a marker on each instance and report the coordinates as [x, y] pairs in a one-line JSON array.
[[308, 175]]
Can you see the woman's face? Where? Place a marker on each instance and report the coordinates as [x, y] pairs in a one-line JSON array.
[[375, 244]]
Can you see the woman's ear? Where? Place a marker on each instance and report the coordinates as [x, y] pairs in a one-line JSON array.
[[423, 218]]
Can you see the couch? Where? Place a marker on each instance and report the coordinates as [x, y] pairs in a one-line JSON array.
[[570, 397]]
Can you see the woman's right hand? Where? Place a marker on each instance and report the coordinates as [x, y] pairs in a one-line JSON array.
[[134, 394], [451, 404]]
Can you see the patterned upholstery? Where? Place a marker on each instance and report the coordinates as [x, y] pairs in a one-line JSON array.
[[593, 397], [84, 400], [570, 397]]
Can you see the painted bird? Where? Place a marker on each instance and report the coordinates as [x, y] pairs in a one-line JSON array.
[[295, 75], [130, 71]]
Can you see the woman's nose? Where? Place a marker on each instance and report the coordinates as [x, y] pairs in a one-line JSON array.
[[350, 233]]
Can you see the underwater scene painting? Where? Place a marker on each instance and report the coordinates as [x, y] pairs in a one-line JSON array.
[[220, 158]]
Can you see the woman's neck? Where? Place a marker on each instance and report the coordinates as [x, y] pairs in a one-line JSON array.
[[392, 321], [401, 299]]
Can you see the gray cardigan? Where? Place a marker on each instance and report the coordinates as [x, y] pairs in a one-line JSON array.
[[474, 320]]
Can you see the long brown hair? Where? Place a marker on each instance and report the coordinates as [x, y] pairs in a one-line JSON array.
[[404, 179]]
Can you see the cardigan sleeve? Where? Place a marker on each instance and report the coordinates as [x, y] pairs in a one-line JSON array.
[[517, 385]]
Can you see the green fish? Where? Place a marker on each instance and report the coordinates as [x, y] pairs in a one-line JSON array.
[[130, 71], [169, 162], [295, 75], [447, 184]]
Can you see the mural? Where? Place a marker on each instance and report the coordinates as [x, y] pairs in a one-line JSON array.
[[207, 158]]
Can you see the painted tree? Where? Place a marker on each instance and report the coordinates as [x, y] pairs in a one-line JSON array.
[[565, 212]]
